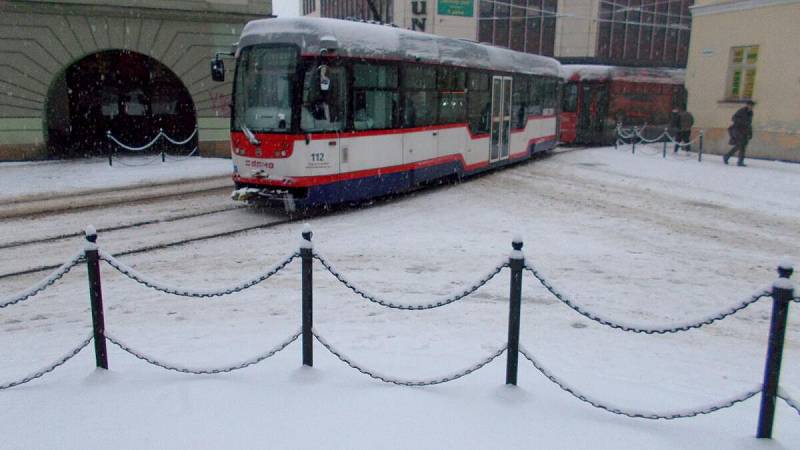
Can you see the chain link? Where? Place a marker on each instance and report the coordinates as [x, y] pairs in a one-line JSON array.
[[663, 330], [638, 414], [453, 298], [397, 381], [45, 283], [51, 367], [796, 299], [242, 365], [789, 401], [141, 279]]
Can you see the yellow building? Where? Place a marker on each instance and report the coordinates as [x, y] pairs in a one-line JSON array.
[[742, 50]]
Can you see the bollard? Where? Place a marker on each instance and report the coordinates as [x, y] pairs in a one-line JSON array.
[[110, 149], [96, 298], [307, 257], [700, 153], [782, 294], [516, 261], [664, 151]]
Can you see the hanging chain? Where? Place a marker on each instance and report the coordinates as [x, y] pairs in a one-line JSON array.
[[51, 367], [638, 414], [789, 400], [45, 283], [453, 298], [663, 330], [242, 365], [141, 279], [398, 381]]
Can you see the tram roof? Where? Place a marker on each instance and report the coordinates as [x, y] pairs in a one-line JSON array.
[[366, 40], [576, 72]]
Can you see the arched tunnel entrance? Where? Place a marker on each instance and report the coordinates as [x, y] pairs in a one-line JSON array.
[[129, 94]]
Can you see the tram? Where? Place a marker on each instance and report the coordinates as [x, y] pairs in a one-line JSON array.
[[597, 98], [327, 111]]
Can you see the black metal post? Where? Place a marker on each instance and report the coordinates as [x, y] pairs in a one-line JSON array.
[[516, 261], [664, 151], [110, 146], [700, 153], [782, 294], [635, 135], [306, 255], [162, 145], [96, 298]]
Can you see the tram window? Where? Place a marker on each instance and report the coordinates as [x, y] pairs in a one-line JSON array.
[[536, 95], [324, 110], [375, 96], [264, 93], [419, 96], [550, 97], [451, 83], [519, 102], [570, 101], [479, 100]]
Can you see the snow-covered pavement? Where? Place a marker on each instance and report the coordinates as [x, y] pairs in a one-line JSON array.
[[632, 237]]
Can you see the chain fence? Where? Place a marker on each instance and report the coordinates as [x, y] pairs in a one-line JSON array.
[[71, 354], [163, 287], [643, 329], [682, 414], [439, 303], [152, 142], [56, 275], [783, 395], [226, 369], [402, 382]]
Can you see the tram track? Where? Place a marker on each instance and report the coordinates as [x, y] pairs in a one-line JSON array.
[[15, 244]]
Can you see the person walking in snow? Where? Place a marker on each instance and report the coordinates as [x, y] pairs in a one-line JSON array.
[[741, 131], [682, 122]]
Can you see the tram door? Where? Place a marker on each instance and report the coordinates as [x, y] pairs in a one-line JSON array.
[[501, 118], [593, 111]]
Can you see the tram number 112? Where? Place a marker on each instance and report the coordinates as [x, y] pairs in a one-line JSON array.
[[318, 157]]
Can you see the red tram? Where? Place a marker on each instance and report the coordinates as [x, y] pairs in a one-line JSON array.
[[328, 111], [597, 98]]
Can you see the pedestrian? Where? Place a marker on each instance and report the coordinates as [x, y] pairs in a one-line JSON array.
[[741, 131], [683, 122]]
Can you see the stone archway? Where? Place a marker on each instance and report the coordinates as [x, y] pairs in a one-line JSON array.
[[127, 93]]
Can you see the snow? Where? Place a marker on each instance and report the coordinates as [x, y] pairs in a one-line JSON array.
[[636, 237], [631, 74]]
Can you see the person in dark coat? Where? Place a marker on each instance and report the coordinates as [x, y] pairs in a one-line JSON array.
[[741, 131], [682, 122]]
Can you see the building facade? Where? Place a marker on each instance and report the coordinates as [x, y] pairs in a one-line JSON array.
[[747, 50], [616, 32], [73, 70]]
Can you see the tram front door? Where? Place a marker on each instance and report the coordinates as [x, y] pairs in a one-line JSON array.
[[501, 118]]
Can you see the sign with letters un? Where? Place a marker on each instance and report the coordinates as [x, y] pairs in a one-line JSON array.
[[463, 8]]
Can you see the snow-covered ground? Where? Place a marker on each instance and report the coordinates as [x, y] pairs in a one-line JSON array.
[[633, 237]]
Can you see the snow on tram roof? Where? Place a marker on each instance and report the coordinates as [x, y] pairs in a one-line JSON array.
[[366, 40], [574, 72]]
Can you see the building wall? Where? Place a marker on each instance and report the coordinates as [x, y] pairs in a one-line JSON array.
[[773, 26], [576, 33], [40, 39]]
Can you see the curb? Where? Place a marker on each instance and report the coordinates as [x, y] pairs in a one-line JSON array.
[[27, 206]]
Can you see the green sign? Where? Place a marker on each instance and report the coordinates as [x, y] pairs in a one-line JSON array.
[[461, 8]]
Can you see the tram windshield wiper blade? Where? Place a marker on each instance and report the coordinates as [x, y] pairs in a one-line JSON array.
[[250, 136]]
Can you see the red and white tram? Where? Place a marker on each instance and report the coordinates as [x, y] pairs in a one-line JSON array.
[[328, 111]]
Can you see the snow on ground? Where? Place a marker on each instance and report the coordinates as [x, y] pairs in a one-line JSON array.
[[22, 180], [633, 237]]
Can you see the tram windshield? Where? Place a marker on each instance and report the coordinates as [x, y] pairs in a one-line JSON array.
[[265, 81]]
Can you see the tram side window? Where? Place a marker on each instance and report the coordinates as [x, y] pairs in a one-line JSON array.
[[570, 101], [519, 102], [452, 97], [479, 100], [375, 96], [536, 95], [419, 96], [550, 97], [324, 110]]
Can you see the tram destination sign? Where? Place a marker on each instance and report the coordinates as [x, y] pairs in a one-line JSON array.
[[463, 8]]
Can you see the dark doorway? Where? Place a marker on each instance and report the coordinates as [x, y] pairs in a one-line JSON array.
[[128, 94]]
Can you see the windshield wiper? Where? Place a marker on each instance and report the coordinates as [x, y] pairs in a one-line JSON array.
[[250, 136]]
